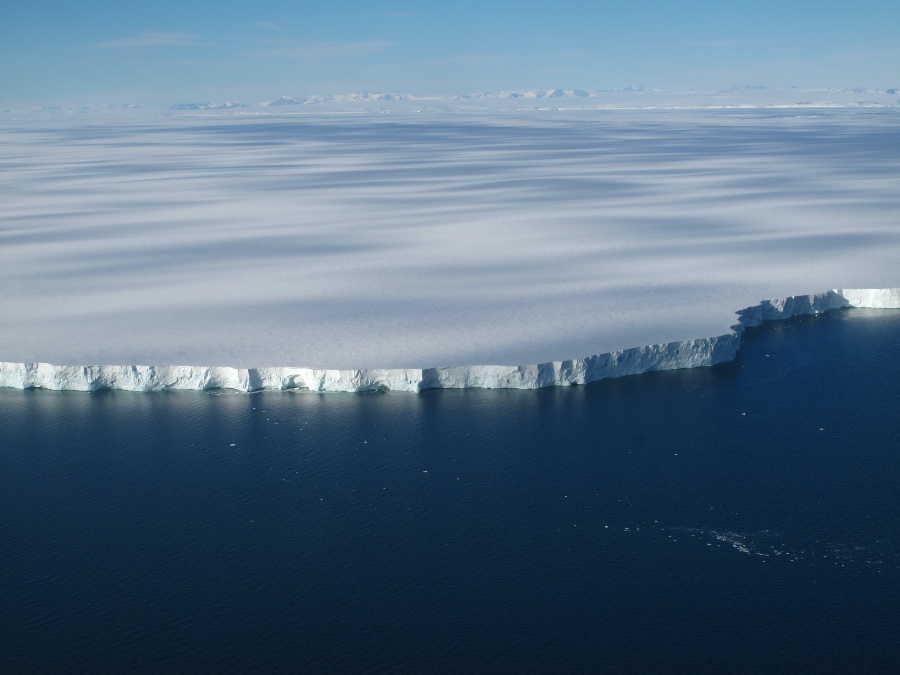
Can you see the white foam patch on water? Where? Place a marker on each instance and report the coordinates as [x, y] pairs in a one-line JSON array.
[[443, 240], [773, 544]]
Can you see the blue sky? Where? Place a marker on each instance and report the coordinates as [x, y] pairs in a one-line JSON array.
[[57, 51]]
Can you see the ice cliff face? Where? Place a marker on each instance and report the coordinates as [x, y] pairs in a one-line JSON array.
[[688, 354], [670, 356], [796, 305]]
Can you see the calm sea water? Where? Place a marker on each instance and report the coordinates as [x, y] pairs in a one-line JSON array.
[[742, 518]]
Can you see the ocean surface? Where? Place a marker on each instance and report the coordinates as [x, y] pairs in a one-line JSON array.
[[740, 518]]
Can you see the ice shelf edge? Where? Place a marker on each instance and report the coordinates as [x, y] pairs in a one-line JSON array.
[[670, 356]]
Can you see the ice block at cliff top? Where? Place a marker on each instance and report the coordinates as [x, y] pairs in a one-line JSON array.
[[416, 242]]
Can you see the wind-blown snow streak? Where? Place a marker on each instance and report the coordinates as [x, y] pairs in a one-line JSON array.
[[673, 355]]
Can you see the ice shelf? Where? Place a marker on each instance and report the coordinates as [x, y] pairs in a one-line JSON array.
[[673, 355]]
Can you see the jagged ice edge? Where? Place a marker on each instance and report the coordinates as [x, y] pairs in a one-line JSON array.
[[669, 356]]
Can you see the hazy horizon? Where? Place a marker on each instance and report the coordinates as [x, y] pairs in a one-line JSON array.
[[55, 53]]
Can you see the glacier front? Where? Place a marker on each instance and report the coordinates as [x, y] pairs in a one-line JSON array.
[[670, 356]]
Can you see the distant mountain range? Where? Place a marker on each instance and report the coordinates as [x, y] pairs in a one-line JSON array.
[[367, 96], [635, 97], [228, 105], [745, 93]]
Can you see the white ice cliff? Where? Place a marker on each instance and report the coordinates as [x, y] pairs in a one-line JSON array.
[[686, 354]]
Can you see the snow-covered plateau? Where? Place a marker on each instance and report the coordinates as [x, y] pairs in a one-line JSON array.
[[671, 356], [348, 243]]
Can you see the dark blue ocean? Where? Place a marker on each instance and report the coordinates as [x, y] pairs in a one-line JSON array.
[[736, 519]]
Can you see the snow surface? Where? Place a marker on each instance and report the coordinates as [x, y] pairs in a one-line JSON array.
[[419, 241]]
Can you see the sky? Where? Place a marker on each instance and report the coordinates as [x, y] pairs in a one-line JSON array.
[[63, 52]]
